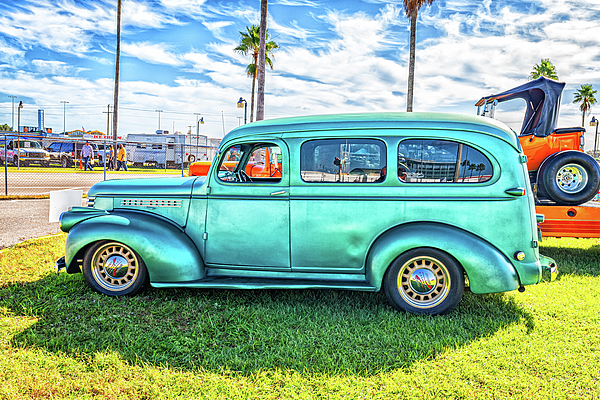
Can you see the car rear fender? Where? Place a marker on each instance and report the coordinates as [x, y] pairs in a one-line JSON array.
[[168, 253], [486, 267]]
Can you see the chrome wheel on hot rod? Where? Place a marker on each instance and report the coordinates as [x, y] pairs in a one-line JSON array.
[[424, 281], [569, 178], [114, 269]]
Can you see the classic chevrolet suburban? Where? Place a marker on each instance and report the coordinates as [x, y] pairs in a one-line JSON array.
[[415, 204]]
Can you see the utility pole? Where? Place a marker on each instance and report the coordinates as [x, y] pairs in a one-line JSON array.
[[64, 114], [108, 112], [158, 111], [12, 122]]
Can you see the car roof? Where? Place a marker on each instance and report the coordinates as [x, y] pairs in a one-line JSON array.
[[316, 125]]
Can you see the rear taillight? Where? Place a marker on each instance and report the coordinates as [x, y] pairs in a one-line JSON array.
[[581, 141]]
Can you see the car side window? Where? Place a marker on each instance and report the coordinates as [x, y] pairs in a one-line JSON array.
[[441, 161], [343, 161], [251, 162]]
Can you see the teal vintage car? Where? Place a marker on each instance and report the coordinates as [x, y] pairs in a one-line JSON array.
[[415, 204]]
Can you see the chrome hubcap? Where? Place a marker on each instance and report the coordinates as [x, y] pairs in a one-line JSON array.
[[114, 266], [571, 178], [423, 282]]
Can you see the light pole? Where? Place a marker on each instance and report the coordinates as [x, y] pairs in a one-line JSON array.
[[158, 111], [18, 135], [12, 122], [197, 132], [200, 121], [594, 122], [64, 115], [19, 118], [243, 104]]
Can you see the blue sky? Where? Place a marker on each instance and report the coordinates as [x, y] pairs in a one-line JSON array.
[[335, 56]]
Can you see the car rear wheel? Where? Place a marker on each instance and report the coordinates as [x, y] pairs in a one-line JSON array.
[[570, 178], [64, 162], [424, 281], [114, 269]]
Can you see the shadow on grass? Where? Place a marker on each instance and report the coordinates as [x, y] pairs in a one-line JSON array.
[[321, 331], [578, 261]]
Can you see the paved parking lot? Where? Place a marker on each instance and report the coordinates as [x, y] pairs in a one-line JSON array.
[[42, 183], [24, 219]]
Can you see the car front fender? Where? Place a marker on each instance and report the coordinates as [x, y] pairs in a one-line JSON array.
[[168, 253], [487, 268]]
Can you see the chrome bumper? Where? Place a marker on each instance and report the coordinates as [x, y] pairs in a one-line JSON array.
[[60, 264], [549, 265]]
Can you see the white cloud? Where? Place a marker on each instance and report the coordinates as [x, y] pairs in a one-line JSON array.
[[152, 53], [55, 67], [11, 55], [70, 27]]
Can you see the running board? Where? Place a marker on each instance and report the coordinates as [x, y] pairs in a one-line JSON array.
[[221, 282]]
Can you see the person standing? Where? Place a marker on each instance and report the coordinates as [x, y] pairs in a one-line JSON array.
[[122, 158], [111, 157], [87, 152]]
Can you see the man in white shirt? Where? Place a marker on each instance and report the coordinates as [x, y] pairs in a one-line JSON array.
[[87, 152]]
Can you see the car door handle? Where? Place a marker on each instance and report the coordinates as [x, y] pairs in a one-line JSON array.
[[278, 193], [518, 191]]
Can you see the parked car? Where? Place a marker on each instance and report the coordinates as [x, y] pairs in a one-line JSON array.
[[23, 152], [66, 153], [325, 202]]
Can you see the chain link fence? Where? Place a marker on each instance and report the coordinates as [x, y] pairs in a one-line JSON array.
[[35, 165]]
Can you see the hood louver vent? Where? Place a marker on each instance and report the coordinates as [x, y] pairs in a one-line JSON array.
[[150, 203]]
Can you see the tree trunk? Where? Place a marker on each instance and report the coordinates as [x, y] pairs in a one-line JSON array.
[[117, 67], [253, 90], [411, 62], [260, 105], [583, 119]]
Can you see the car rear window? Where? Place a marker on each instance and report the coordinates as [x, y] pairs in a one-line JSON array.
[[441, 161]]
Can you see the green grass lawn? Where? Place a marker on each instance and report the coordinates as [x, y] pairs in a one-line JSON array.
[[58, 339]]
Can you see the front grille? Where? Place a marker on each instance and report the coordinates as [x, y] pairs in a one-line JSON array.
[[90, 202], [150, 203]]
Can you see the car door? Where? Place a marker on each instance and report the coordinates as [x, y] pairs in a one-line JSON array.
[[54, 150], [247, 219], [339, 203]]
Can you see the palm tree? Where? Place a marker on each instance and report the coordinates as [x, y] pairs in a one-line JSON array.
[[411, 7], [249, 45], [585, 96], [544, 68], [117, 68], [260, 103]]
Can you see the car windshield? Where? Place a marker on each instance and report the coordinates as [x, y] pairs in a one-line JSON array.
[[27, 144]]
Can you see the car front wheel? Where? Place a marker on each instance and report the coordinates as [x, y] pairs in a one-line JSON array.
[[424, 281], [114, 269]]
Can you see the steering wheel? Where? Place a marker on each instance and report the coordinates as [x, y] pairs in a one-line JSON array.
[[275, 171], [243, 176]]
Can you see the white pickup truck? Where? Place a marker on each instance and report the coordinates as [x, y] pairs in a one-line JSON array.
[[23, 152]]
